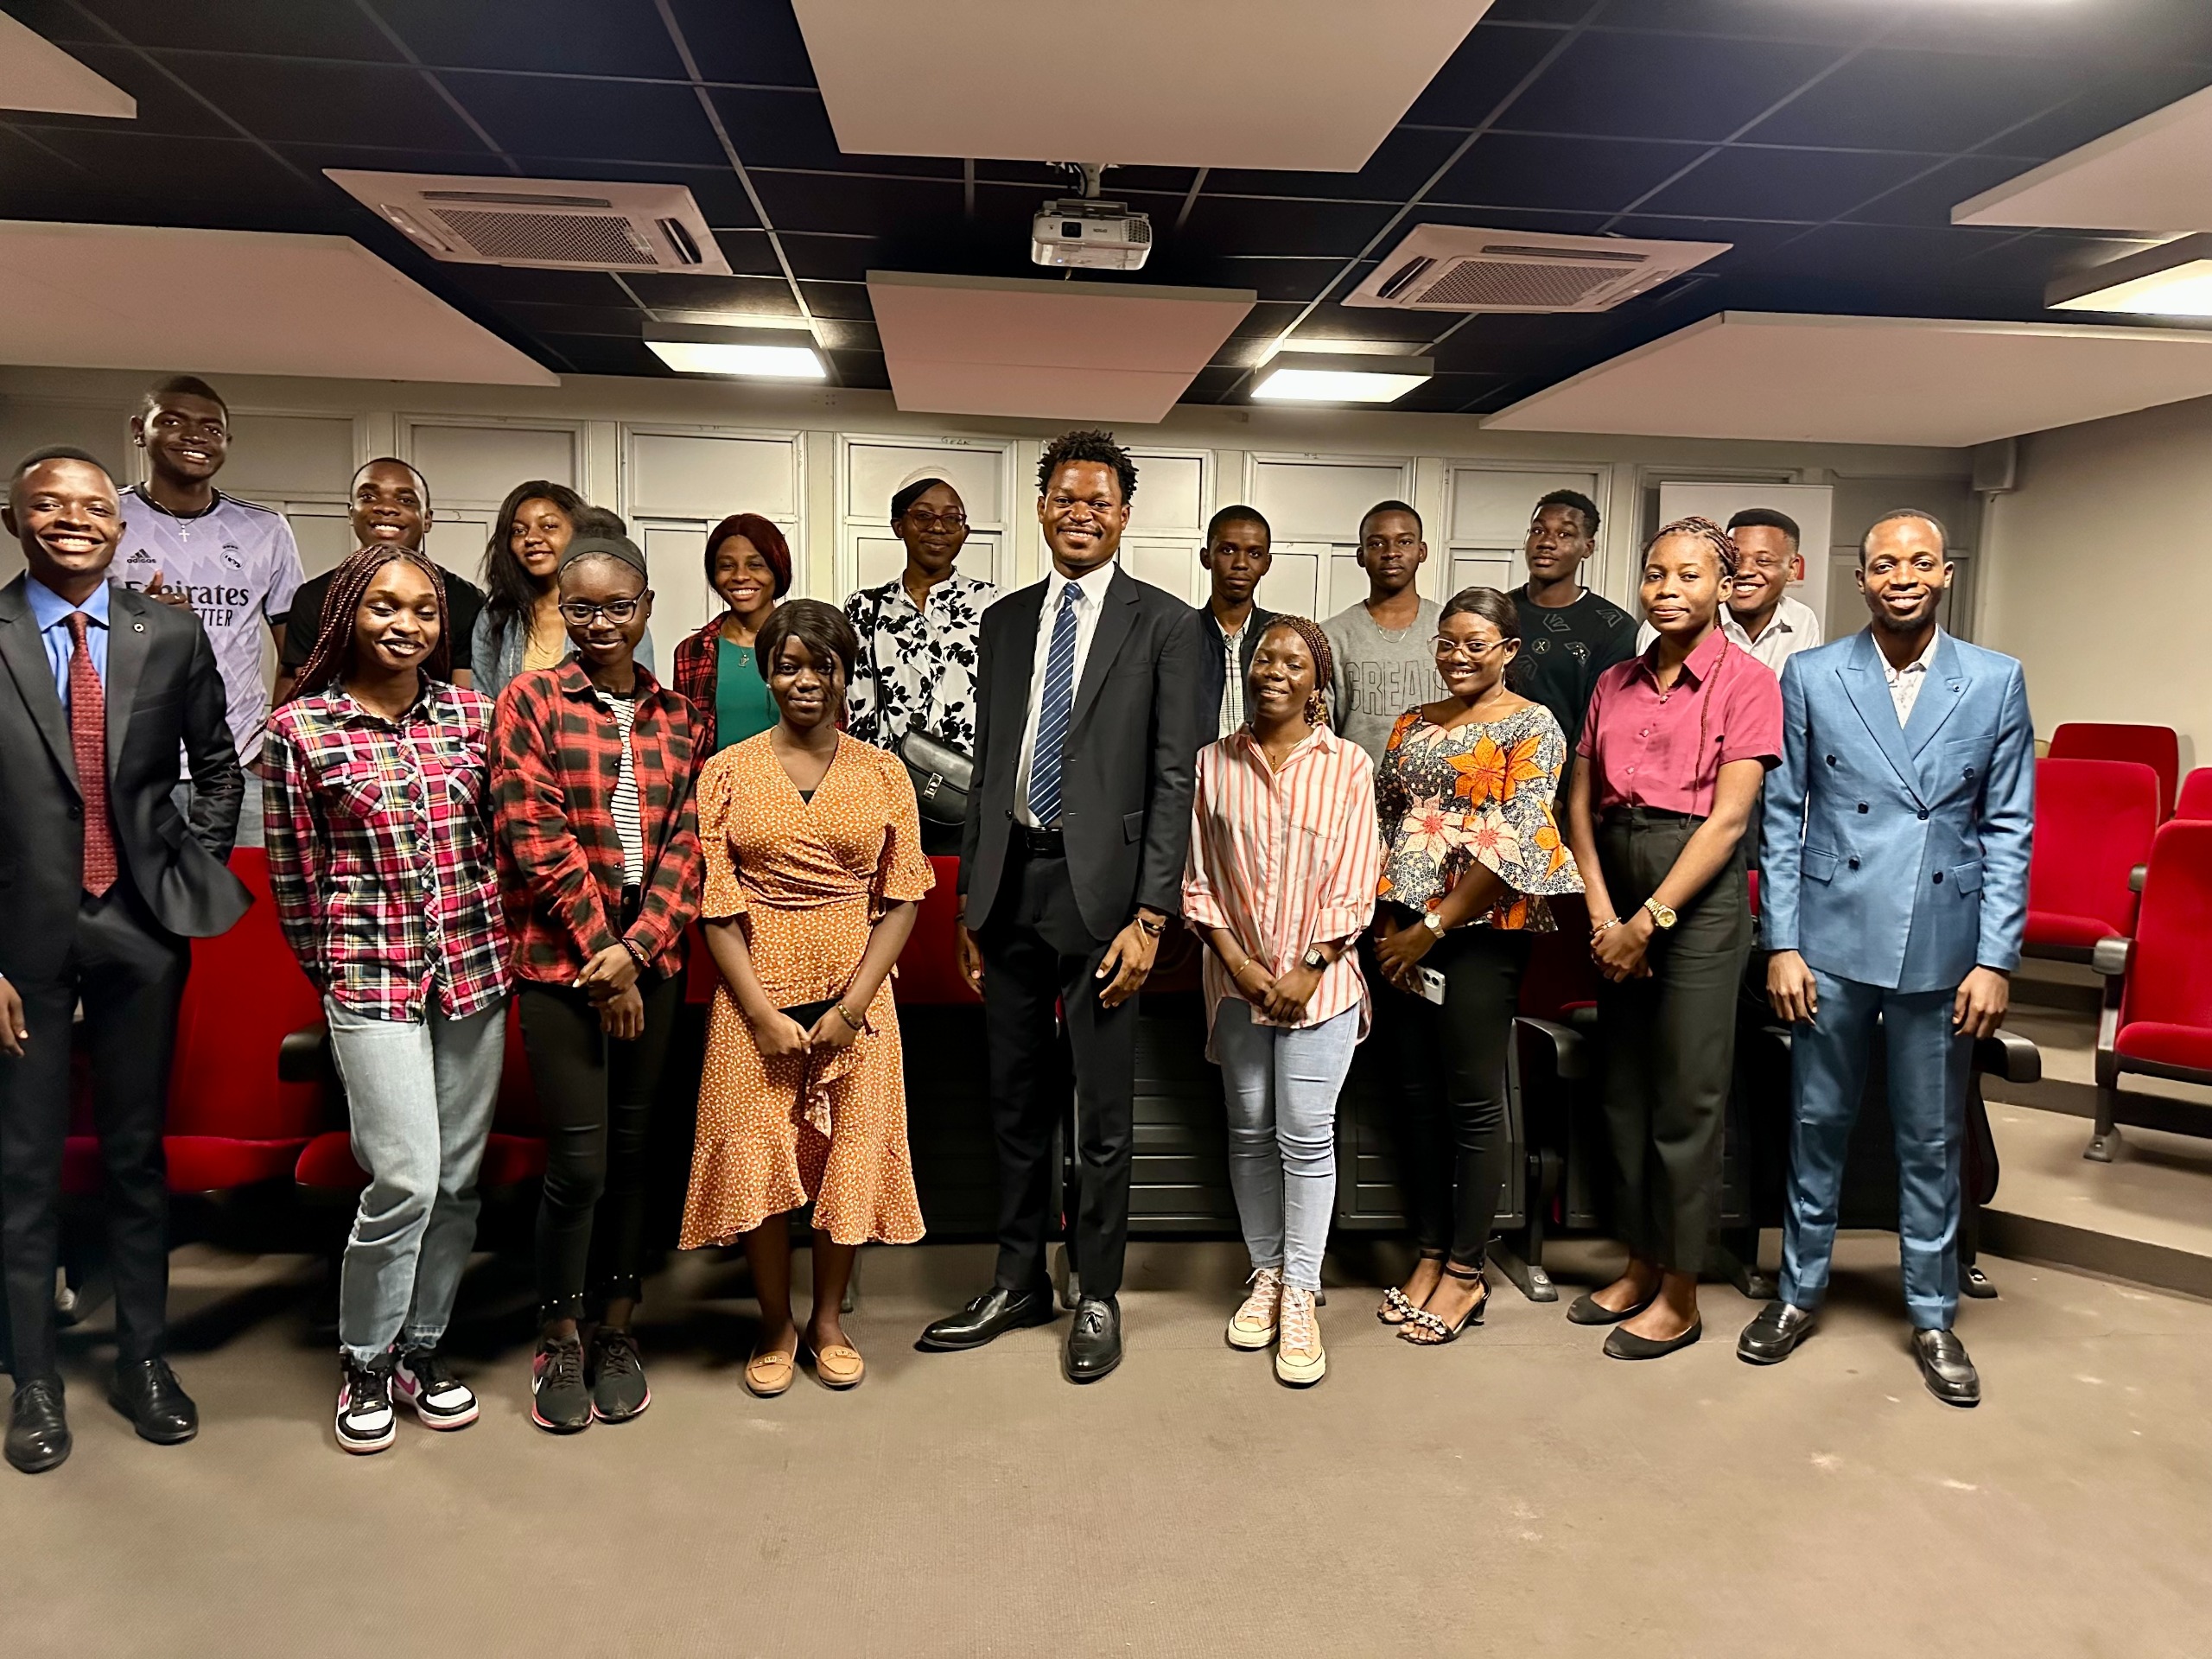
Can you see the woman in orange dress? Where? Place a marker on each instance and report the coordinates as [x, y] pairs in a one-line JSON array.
[[814, 864]]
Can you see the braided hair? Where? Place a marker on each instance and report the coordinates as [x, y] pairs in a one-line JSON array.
[[1722, 544], [1316, 704], [333, 654], [1725, 550]]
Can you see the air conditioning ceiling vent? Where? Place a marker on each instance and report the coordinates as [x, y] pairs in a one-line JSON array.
[[541, 223], [1452, 268]]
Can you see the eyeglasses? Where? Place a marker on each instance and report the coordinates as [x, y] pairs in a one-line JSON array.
[[583, 613], [1474, 650], [923, 518]]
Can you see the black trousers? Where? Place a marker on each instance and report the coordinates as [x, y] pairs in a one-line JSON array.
[[128, 971], [1670, 1042], [1446, 1068], [1036, 953], [596, 1097]]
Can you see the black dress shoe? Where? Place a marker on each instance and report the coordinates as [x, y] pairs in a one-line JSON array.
[[147, 1392], [1626, 1344], [1950, 1375], [1588, 1310], [1774, 1335], [992, 1314], [1095, 1343], [38, 1432]]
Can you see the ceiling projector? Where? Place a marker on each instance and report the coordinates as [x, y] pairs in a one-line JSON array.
[[1085, 231]]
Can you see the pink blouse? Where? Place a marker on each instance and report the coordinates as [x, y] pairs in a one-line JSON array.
[[1665, 749], [1281, 861]]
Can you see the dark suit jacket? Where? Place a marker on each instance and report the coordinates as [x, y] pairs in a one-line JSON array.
[[1132, 742], [163, 693], [1214, 682]]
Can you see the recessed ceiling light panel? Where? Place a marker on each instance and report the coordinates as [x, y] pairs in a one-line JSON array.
[[2171, 280], [1327, 378], [753, 353]]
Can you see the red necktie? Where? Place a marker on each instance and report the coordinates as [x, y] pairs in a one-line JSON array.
[[88, 744]]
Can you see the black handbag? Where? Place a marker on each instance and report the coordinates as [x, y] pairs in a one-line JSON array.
[[940, 774]]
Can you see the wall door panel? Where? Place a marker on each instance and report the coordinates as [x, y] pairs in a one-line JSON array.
[[1488, 517], [479, 464], [873, 469]]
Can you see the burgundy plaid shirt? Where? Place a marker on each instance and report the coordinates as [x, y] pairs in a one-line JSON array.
[[380, 851], [555, 760], [695, 658]]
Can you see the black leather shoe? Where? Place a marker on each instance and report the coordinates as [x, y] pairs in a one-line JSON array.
[[1095, 1343], [1586, 1309], [1626, 1344], [1774, 1335], [1950, 1375], [38, 1432], [991, 1315], [147, 1392]]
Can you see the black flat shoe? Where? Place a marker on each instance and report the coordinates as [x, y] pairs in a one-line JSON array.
[[990, 1316], [1095, 1342], [1587, 1310], [1626, 1344], [1774, 1335], [1950, 1375], [38, 1432], [147, 1392]]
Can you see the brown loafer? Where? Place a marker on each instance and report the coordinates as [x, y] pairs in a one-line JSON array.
[[769, 1372], [839, 1367]]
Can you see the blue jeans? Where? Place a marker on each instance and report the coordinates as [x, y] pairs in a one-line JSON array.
[[1281, 1088], [420, 1094], [1928, 1064]]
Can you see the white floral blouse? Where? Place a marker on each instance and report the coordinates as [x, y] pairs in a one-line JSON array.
[[917, 668]]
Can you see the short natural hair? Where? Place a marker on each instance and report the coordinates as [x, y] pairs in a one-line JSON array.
[[820, 626], [422, 484], [1581, 503], [1766, 518], [1942, 535], [600, 521], [1088, 444], [1239, 514], [54, 451], [183, 385], [1381, 507]]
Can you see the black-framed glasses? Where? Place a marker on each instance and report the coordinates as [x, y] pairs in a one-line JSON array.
[[582, 613], [1478, 650], [923, 518]]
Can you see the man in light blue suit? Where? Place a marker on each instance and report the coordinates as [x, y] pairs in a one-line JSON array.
[[1895, 886]]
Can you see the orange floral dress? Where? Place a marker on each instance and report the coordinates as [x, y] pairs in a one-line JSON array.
[[1475, 793], [808, 880]]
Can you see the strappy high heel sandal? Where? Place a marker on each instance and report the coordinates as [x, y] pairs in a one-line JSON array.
[[1398, 1307], [1437, 1333]]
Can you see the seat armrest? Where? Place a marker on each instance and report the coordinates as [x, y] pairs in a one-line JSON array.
[[304, 1056], [2110, 957], [2008, 1055], [2135, 877], [1570, 1049]]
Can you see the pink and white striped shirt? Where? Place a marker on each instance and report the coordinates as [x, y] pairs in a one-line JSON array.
[[1285, 860]]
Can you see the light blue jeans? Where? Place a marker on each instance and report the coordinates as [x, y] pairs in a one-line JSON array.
[[1281, 1088], [421, 1094]]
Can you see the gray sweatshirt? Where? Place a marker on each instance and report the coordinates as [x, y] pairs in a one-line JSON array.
[[1380, 674]]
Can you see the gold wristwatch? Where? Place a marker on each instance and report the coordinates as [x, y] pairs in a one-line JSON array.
[[1663, 916]]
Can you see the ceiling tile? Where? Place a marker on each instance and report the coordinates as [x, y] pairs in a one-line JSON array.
[[755, 41], [745, 295], [1806, 185], [792, 130], [838, 259], [163, 107], [584, 37], [858, 205], [1490, 63], [1399, 167], [616, 120], [1929, 200], [1935, 101], [329, 103], [282, 27], [1237, 224], [1663, 87], [1590, 174], [2104, 107]]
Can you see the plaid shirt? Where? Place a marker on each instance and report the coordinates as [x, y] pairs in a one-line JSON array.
[[380, 858], [555, 760], [695, 682]]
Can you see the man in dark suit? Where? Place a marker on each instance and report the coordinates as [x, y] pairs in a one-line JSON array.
[[1070, 866], [104, 883], [1236, 558]]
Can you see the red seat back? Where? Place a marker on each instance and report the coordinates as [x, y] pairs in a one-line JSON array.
[[2094, 824], [244, 995], [2196, 800], [1561, 974], [2169, 978], [929, 968], [2156, 747]]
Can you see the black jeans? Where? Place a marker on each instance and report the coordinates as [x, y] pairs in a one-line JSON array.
[[1447, 1070], [595, 1098]]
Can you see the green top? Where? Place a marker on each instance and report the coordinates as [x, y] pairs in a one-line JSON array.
[[743, 707]]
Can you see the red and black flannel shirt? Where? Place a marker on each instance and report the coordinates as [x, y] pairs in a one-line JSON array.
[[555, 760], [380, 851], [696, 657]]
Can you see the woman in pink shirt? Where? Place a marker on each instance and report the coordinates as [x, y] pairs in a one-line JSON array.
[[1280, 883], [1672, 753]]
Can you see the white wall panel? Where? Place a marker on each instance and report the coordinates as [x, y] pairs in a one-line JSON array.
[[274, 457], [873, 469], [1320, 497], [1171, 492], [1488, 512], [709, 476], [323, 534], [479, 464], [1293, 584], [676, 570]]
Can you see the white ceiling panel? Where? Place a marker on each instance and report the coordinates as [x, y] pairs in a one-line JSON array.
[[1904, 380], [36, 74], [1308, 83], [2152, 175], [234, 302], [1061, 351]]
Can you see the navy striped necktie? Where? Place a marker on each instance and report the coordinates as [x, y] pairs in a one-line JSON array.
[[1053, 711]]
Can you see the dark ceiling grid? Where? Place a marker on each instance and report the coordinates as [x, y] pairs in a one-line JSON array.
[[436, 84]]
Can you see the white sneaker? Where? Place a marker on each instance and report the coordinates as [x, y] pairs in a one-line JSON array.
[[366, 1421], [1252, 1326], [440, 1399], [1301, 1360]]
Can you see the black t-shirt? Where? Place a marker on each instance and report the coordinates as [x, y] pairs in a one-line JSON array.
[[1563, 651], [464, 599]]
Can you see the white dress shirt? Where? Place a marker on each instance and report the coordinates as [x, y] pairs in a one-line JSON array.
[[1905, 682], [1792, 628], [1089, 607]]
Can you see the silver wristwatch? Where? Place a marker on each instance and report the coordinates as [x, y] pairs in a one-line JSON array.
[[1433, 921]]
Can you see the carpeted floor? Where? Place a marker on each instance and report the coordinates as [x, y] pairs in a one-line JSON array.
[[1514, 1494]]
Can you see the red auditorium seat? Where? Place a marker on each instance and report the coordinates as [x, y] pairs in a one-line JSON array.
[[2158, 1017], [2156, 747], [231, 1121], [2094, 824], [2195, 801], [929, 968]]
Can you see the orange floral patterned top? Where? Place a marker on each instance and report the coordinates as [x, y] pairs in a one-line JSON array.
[[1477, 793]]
